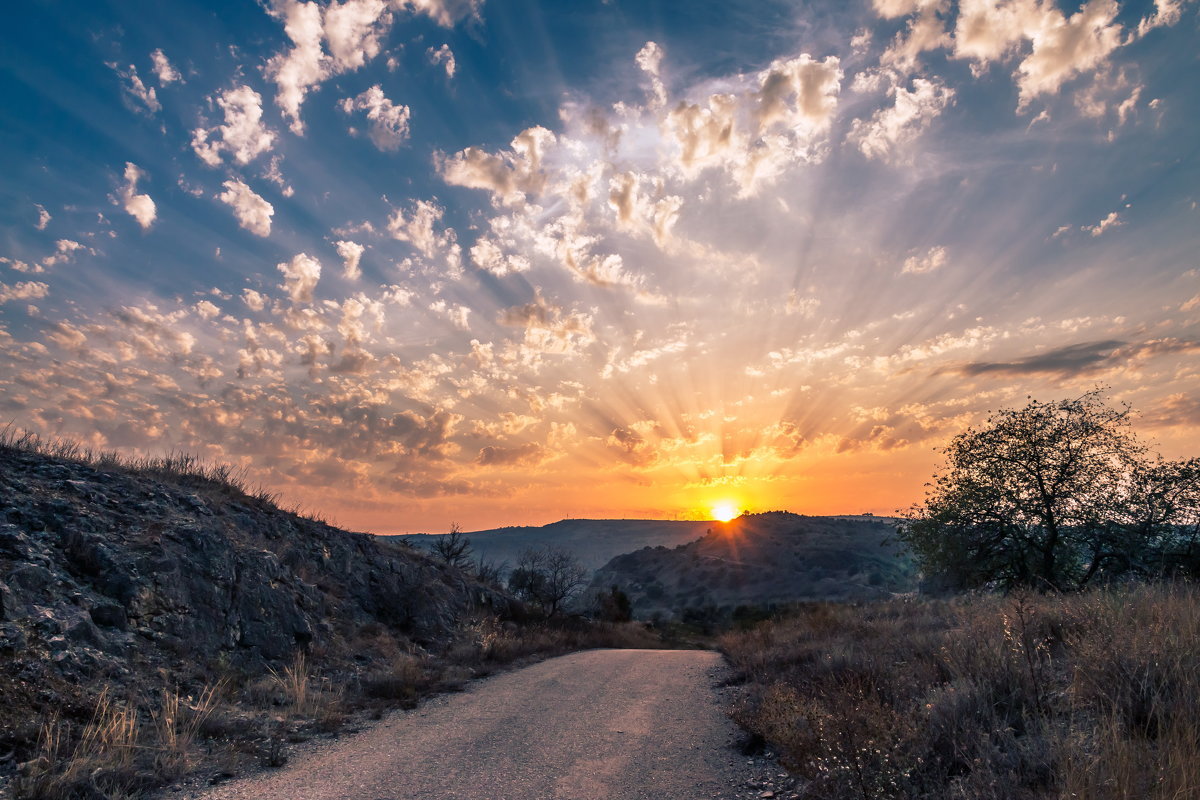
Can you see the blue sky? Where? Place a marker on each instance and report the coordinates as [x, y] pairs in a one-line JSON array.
[[422, 261]]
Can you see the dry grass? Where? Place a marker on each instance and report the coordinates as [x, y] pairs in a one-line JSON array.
[[1088, 696], [116, 754], [181, 469]]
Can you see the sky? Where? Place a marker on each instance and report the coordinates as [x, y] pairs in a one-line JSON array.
[[492, 262]]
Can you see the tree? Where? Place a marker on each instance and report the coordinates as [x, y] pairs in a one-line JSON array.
[[548, 577], [1052, 496], [453, 549]]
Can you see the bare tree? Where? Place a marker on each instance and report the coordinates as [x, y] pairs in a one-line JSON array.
[[549, 577], [490, 571], [453, 548]]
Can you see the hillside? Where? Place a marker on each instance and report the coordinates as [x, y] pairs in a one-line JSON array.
[[763, 559], [137, 577], [593, 541]]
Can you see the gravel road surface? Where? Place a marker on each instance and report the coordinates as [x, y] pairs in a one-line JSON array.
[[602, 724]]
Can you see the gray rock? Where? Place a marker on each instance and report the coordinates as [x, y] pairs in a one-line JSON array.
[[110, 615]]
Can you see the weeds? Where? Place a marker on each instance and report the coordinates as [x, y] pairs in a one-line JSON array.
[[1090, 696]]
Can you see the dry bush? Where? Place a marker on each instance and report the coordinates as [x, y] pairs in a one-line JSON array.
[[404, 683], [1093, 695]]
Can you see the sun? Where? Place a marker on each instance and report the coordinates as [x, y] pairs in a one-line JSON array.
[[725, 511]]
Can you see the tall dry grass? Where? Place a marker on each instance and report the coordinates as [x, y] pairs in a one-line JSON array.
[[1087, 696], [120, 752]]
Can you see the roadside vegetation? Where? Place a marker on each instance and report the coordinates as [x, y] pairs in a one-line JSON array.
[[1092, 695], [1056, 652]]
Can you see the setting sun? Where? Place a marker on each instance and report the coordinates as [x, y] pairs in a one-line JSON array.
[[725, 511]]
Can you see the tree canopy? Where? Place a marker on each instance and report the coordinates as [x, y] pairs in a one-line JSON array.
[[1055, 496]]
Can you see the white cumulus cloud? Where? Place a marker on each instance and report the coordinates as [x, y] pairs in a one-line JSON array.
[[139, 206], [163, 68], [243, 136], [444, 56], [351, 254], [389, 122], [911, 112], [253, 212], [300, 276]]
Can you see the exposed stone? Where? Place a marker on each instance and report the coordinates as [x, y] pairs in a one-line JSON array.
[[105, 568]]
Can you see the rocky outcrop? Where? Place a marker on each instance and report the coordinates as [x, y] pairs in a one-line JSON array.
[[111, 573]]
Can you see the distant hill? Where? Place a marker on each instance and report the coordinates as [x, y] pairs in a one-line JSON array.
[[593, 541], [762, 559]]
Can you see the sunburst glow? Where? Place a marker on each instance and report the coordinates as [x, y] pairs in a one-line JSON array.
[[725, 511], [424, 267]]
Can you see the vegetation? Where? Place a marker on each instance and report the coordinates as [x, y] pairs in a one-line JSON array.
[[453, 549], [1093, 695], [547, 577], [1056, 496]]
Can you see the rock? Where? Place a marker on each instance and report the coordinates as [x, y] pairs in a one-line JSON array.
[[31, 581], [110, 615]]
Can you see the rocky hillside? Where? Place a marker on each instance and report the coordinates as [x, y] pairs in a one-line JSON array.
[[763, 559], [593, 541], [114, 574]]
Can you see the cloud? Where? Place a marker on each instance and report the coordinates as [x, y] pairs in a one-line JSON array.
[[521, 455], [1061, 47], [444, 56], [1166, 12], [338, 38], [1064, 47], [911, 112], [1082, 359], [1113, 220], [445, 12], [243, 135], [23, 290], [509, 174], [64, 251], [649, 60], [140, 97], [351, 254], [926, 31], [780, 118], [416, 227], [166, 73], [139, 206], [43, 217], [389, 122], [548, 328], [920, 265], [300, 276], [253, 212]]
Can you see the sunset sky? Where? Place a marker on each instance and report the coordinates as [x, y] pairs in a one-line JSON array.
[[501, 262]]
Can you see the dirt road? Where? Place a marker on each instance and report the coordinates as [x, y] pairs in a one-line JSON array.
[[601, 724]]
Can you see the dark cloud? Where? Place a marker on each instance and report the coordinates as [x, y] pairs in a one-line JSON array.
[[528, 453], [1084, 358]]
